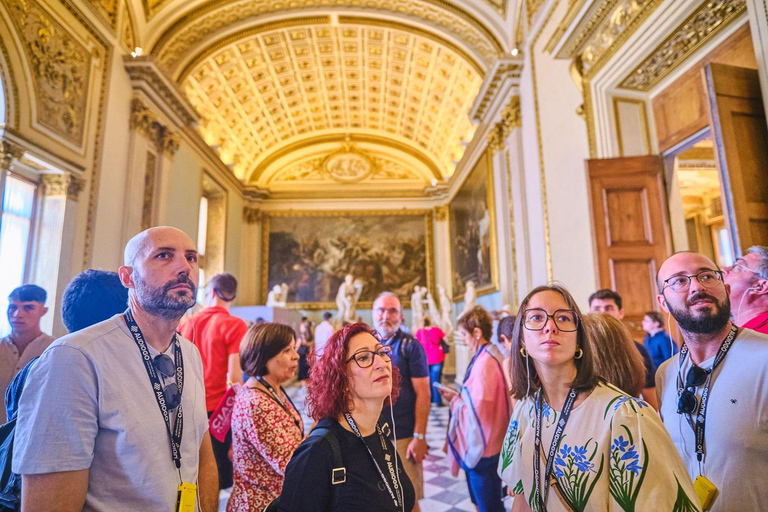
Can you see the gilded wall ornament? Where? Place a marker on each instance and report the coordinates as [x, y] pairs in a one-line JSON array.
[[60, 68], [504, 69], [10, 152], [441, 213], [197, 26], [64, 184], [348, 164], [707, 21], [251, 215], [129, 38], [144, 121]]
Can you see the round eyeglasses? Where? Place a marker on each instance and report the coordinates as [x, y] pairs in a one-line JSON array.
[[364, 358], [535, 319], [706, 278]]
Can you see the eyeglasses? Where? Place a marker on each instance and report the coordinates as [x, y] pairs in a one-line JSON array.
[[738, 267], [688, 403], [165, 366], [535, 319], [706, 278], [364, 358]]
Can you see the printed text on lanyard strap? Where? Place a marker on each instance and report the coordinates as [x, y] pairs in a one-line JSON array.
[[702, 415], [539, 496], [397, 494], [157, 388]]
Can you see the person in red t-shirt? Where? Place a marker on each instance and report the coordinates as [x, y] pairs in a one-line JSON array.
[[748, 281], [217, 336]]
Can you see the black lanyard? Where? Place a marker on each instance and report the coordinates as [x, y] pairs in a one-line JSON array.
[[701, 418], [398, 498], [541, 498], [157, 388], [276, 398]]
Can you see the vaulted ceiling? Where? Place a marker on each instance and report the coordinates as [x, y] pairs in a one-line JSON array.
[[331, 94]]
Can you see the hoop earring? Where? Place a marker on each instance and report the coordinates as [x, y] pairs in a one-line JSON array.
[[579, 354], [523, 352]]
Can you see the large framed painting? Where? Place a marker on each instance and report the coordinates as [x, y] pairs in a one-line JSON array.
[[313, 252], [473, 232]]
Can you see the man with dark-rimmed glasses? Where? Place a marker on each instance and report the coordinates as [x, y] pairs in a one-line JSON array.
[[713, 394]]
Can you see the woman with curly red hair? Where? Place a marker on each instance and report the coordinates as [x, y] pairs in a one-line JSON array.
[[348, 388]]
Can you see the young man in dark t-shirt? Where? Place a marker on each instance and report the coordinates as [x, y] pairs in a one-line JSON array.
[[411, 411]]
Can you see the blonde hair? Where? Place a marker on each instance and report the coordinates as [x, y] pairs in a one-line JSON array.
[[617, 359]]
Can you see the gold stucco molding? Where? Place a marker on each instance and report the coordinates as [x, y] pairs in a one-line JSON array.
[[441, 213], [251, 215], [510, 119], [60, 68], [700, 27], [64, 184], [144, 121]]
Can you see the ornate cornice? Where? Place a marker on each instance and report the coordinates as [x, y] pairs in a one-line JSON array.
[[255, 195], [146, 76], [503, 69], [9, 153], [64, 184], [144, 121], [700, 27]]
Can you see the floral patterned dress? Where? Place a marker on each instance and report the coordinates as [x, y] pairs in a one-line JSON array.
[[614, 454], [264, 437]]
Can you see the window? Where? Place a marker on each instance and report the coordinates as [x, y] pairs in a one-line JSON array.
[[15, 235], [202, 234]]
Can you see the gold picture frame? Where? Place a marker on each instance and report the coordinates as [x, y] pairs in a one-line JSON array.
[[462, 206], [324, 224]]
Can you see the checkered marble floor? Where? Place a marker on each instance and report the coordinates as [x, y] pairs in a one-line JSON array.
[[442, 492]]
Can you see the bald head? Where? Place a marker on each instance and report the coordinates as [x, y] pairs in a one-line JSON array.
[[143, 242]]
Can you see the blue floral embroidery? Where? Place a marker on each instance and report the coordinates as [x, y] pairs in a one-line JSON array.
[[626, 472], [510, 444], [576, 472], [632, 400]]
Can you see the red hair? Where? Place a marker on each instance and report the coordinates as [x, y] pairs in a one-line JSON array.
[[328, 387]]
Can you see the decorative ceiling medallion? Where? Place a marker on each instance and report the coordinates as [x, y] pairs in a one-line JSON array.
[[348, 164], [287, 84], [701, 26]]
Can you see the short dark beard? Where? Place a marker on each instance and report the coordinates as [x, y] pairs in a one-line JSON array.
[[709, 322], [161, 302]]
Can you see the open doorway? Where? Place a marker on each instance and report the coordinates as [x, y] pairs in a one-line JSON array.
[[701, 195]]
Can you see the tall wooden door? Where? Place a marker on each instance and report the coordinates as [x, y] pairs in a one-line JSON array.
[[740, 135], [629, 215]]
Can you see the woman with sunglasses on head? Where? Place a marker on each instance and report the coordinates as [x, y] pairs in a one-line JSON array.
[[479, 413], [347, 463], [266, 426], [576, 443]]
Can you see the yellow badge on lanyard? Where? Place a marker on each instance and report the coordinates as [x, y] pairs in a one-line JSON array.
[[185, 502], [706, 490]]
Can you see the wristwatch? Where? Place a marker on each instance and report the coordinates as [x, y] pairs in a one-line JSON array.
[[419, 436]]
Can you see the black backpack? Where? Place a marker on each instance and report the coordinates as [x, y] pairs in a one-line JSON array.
[[339, 472], [10, 482]]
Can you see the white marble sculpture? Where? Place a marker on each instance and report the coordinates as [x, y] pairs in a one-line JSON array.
[[417, 307], [278, 296], [346, 300], [434, 311], [446, 312], [470, 296]]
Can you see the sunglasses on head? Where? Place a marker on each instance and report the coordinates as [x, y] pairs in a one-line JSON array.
[[165, 366], [688, 403]]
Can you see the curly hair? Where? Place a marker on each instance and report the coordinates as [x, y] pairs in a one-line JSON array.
[[328, 388]]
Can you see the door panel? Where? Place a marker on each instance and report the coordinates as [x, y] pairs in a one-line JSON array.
[[629, 214], [741, 145]]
